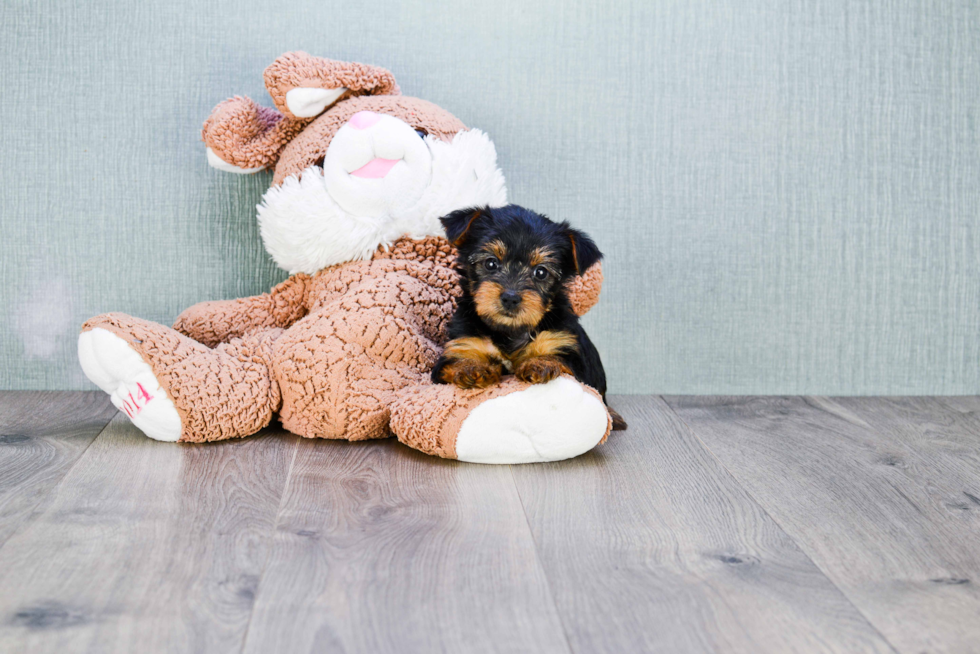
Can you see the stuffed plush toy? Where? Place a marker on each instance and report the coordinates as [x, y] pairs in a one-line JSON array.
[[343, 348]]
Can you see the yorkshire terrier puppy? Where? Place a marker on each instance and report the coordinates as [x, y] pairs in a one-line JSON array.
[[514, 315]]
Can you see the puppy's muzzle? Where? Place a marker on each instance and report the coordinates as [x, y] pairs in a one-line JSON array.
[[510, 300]]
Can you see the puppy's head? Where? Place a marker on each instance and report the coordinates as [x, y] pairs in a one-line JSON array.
[[515, 262]]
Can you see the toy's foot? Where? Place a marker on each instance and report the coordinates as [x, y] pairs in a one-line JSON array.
[[544, 422], [510, 423], [118, 370]]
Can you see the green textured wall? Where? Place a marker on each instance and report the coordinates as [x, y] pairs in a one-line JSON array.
[[788, 193]]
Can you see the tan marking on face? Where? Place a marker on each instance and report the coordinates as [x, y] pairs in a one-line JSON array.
[[487, 301], [532, 309], [486, 297], [541, 256], [497, 249]]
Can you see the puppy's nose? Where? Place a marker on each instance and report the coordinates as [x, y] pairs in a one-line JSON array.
[[364, 119], [510, 300]]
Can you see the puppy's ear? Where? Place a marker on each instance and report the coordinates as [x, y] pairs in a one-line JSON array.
[[583, 252], [460, 225]]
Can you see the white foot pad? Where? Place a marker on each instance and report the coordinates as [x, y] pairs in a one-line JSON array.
[[117, 369], [546, 422]]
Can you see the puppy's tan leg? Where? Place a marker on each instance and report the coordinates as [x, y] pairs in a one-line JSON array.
[[471, 374], [539, 370], [540, 360], [474, 362]]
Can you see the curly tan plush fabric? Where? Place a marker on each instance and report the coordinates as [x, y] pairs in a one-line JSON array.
[[298, 69], [220, 393], [247, 135], [583, 291]]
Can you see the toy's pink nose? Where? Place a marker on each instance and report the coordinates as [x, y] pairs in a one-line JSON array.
[[364, 119]]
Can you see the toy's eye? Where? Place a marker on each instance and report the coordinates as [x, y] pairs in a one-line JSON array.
[[491, 264], [541, 273]]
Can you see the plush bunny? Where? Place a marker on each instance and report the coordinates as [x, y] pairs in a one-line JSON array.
[[343, 348]]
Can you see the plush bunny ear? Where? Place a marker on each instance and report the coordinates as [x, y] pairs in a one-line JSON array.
[[583, 289], [583, 253], [461, 224], [303, 86]]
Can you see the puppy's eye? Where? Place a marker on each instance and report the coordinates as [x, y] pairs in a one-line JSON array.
[[491, 264], [541, 273]]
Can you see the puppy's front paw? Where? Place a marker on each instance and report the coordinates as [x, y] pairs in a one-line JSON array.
[[539, 370], [471, 374]]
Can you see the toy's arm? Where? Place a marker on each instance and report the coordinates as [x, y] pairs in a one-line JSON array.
[[583, 290], [243, 137], [216, 322]]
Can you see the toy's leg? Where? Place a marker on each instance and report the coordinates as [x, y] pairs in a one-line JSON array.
[[339, 371], [174, 388], [510, 423], [117, 369]]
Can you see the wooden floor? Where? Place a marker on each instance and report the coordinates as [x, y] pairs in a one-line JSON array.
[[796, 524]]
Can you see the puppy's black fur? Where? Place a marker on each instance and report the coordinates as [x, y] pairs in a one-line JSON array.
[[514, 314]]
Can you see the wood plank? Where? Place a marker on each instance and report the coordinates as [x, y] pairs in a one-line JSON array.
[[937, 440], [966, 405], [382, 549], [145, 546], [42, 434], [866, 501], [650, 545]]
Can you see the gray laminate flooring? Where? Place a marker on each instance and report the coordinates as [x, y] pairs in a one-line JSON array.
[[715, 524]]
